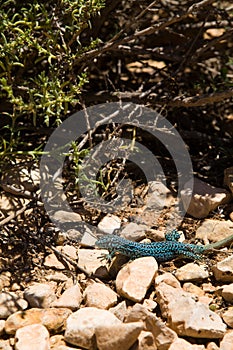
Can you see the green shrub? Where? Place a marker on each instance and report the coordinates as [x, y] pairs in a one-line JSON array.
[[39, 41]]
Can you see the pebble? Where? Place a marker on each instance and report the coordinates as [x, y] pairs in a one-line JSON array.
[[182, 344], [227, 341], [227, 293], [203, 199], [146, 341], [71, 298], [34, 336], [142, 271], [167, 278], [163, 335], [52, 318], [115, 337], [81, 326], [100, 296], [9, 303], [228, 316], [191, 272], [192, 288], [120, 310], [52, 261], [134, 232], [40, 295], [90, 260], [109, 224], [186, 316], [159, 196], [214, 230], [223, 270]]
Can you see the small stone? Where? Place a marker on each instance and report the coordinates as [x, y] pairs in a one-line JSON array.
[[163, 335], [214, 230], [66, 216], [186, 316], [149, 304], [223, 270], [70, 299], [227, 341], [203, 199], [52, 261], [40, 295], [116, 337], [53, 319], [82, 324], [212, 346], [100, 296], [193, 289], [135, 278], [134, 232], [109, 224], [182, 344], [227, 293], [167, 278], [9, 303], [146, 341], [159, 196], [228, 316], [57, 277], [90, 260], [5, 345], [120, 310], [30, 337], [191, 272], [2, 326]]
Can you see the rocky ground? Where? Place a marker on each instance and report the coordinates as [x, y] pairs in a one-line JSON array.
[[57, 293]]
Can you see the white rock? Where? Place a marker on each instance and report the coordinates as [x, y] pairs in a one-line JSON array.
[[191, 272], [227, 293], [228, 316], [163, 335], [227, 341], [133, 231], [109, 223], [90, 260], [2, 325], [223, 270], [182, 344], [214, 230], [117, 337], [82, 324], [40, 295], [167, 278], [159, 196], [135, 278], [203, 199], [99, 295], [34, 337], [186, 316], [71, 298], [10, 302]]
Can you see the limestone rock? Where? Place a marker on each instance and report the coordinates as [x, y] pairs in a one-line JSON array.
[[228, 316], [214, 230], [223, 270], [40, 295], [186, 316], [9, 303], [53, 319], [227, 293], [71, 298], [82, 324], [133, 231], [117, 337], [134, 279], [99, 295], [109, 223], [191, 272], [227, 341], [30, 337], [204, 198]]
